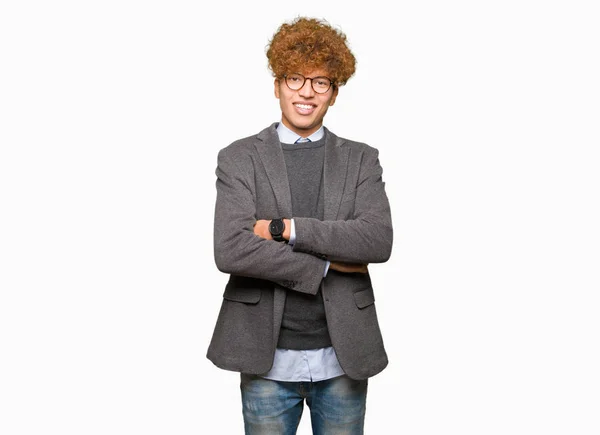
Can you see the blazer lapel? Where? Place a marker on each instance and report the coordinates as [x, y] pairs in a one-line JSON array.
[[334, 174], [271, 155]]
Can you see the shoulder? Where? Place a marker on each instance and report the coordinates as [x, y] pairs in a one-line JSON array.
[[355, 146], [239, 146], [245, 146]]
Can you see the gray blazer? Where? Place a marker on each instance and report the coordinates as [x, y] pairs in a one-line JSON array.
[[252, 184]]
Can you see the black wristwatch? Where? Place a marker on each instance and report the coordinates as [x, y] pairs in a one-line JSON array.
[[276, 228]]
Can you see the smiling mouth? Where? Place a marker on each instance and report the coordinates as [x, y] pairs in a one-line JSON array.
[[304, 108]]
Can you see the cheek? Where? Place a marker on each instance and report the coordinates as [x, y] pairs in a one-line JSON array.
[[326, 107]]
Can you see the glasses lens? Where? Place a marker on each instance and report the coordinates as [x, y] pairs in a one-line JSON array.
[[294, 81], [321, 84]]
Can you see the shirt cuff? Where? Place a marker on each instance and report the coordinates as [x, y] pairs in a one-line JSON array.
[[292, 233], [326, 268]]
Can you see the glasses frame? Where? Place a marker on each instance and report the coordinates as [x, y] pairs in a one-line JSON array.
[[331, 83]]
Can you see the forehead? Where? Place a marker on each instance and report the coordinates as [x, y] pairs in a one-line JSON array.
[[314, 72]]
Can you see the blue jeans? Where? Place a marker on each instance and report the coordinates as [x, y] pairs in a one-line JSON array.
[[337, 406]]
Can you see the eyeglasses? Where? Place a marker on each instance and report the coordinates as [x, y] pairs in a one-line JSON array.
[[296, 82]]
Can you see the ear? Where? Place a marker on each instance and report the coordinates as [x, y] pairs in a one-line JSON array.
[[276, 84], [334, 96]]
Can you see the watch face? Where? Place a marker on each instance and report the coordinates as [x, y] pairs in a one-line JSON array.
[[276, 226]]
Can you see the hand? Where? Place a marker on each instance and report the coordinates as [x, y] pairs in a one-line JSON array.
[[348, 267], [261, 229]]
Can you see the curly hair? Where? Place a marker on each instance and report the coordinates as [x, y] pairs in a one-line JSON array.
[[306, 44]]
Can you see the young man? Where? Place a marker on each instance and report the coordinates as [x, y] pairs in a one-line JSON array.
[[300, 213]]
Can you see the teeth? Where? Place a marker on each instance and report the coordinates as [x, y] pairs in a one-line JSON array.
[[304, 106]]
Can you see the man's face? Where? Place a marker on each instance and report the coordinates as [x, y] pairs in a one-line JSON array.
[[302, 111]]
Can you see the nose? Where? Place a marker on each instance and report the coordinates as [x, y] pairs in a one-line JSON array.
[[307, 91]]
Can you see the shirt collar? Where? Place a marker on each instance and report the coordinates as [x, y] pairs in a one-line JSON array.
[[288, 136]]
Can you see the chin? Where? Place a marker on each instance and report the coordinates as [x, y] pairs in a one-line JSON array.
[[305, 125]]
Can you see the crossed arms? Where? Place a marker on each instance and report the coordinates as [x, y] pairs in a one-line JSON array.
[[242, 247]]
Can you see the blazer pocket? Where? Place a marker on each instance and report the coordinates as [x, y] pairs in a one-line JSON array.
[[364, 298], [243, 289]]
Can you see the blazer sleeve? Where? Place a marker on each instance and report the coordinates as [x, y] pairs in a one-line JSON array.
[[238, 251], [368, 236]]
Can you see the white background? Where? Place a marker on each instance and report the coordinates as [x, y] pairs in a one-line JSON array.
[[486, 115]]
